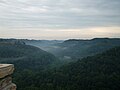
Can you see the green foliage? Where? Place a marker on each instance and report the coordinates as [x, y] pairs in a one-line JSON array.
[[99, 72], [25, 56], [34, 72]]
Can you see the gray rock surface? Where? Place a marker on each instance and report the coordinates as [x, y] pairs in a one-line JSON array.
[[6, 70]]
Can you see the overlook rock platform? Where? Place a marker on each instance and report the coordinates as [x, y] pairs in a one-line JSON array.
[[6, 70]]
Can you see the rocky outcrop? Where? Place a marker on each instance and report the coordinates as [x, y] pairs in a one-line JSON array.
[[6, 71]]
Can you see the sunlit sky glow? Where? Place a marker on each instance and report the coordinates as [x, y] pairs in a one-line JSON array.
[[59, 19]]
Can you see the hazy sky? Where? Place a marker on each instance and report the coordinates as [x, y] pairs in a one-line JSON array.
[[59, 19]]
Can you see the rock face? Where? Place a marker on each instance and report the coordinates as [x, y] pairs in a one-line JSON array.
[[5, 77]]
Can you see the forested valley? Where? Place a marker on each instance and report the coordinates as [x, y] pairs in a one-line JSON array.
[[36, 69]]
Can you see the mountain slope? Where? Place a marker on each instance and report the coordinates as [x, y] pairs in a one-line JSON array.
[[24, 56], [75, 49], [99, 72]]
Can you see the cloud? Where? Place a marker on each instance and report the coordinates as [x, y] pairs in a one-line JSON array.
[[58, 14], [32, 9]]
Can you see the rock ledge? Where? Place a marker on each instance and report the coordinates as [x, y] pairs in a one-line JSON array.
[[6, 70]]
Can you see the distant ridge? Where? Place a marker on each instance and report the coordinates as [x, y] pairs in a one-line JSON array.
[[72, 49], [92, 39]]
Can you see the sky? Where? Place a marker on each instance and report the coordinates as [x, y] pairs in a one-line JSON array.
[[59, 19]]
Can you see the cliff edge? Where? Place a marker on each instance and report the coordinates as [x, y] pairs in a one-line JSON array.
[[6, 70]]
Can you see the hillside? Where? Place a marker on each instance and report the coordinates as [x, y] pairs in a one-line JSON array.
[[99, 72], [75, 49], [24, 56], [34, 72], [71, 49]]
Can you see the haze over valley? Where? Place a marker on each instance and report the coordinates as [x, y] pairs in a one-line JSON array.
[[60, 44]]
